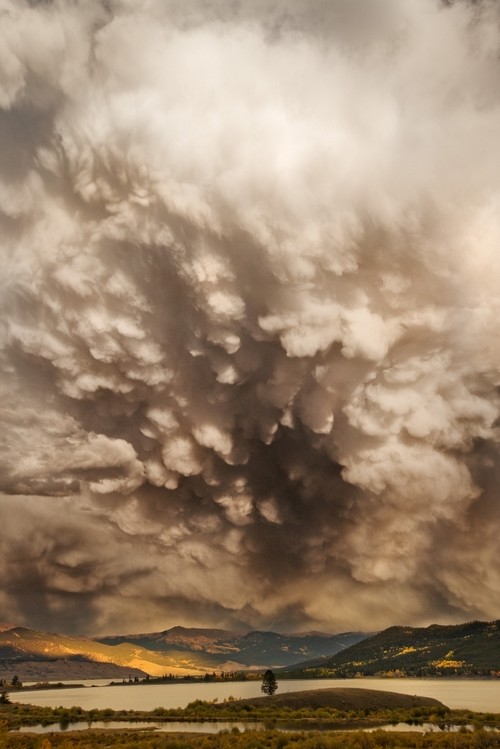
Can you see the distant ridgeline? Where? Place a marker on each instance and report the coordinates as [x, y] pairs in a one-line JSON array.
[[471, 649], [178, 652]]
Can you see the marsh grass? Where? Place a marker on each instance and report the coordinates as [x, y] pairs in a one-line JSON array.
[[287, 713], [251, 740]]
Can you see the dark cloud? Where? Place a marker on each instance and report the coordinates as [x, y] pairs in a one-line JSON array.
[[249, 310]]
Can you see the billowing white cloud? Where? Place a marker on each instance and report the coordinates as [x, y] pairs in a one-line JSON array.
[[249, 312]]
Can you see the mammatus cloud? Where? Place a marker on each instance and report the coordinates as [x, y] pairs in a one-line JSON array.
[[250, 303]]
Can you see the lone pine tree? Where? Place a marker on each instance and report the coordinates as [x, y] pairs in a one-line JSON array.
[[269, 684]]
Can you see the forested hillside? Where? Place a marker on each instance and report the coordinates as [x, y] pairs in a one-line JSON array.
[[471, 649]]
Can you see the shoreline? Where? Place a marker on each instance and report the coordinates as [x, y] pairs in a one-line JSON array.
[[153, 681]]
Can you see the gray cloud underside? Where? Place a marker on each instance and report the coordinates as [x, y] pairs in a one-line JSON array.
[[249, 313]]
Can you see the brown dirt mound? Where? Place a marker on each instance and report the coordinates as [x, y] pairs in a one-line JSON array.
[[343, 698]]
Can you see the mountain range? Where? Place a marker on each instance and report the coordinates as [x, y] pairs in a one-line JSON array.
[[470, 649], [177, 651]]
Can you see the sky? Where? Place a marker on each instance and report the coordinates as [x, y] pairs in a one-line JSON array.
[[250, 314]]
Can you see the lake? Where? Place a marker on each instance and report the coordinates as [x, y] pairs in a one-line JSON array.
[[480, 695]]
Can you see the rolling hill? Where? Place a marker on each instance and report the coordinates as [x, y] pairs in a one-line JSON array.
[[349, 698], [471, 649]]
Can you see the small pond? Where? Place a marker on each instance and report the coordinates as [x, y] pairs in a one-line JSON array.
[[137, 725], [222, 726]]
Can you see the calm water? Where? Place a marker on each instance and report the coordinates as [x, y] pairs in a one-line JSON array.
[[460, 693], [172, 727], [217, 727]]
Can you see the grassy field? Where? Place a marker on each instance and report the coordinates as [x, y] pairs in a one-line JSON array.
[[340, 698]]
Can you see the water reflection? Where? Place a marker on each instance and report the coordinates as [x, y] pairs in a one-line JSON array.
[[214, 727], [170, 727]]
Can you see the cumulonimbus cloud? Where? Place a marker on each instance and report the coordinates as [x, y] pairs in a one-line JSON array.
[[250, 312]]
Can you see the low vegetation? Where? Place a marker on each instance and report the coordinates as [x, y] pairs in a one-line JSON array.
[[261, 740], [335, 707], [318, 719]]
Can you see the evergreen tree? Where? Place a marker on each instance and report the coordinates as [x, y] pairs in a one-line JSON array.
[[269, 684]]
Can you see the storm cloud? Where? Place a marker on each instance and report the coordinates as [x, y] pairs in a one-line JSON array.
[[250, 305]]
